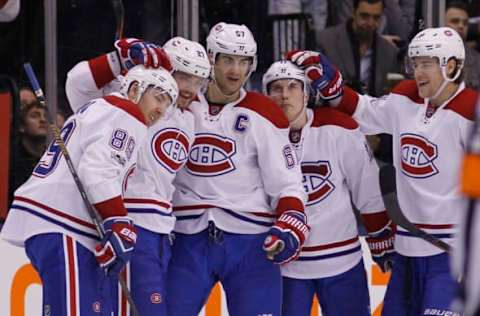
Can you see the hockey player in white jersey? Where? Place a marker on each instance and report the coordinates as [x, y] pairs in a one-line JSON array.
[[48, 216], [336, 163], [239, 191], [149, 193], [430, 119]]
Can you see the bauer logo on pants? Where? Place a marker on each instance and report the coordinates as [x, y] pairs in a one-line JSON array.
[[418, 155]]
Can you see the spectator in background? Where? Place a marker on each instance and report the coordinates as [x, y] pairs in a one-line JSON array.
[[27, 96], [363, 57], [31, 143], [456, 17]]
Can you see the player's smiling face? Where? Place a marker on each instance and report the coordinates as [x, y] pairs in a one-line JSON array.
[[188, 86], [289, 95], [154, 104], [428, 75], [231, 72]]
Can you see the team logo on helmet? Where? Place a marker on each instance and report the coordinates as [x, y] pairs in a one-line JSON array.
[[211, 155], [156, 298], [170, 148], [316, 180], [418, 155]]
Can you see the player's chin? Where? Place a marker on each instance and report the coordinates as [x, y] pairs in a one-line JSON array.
[[183, 102]]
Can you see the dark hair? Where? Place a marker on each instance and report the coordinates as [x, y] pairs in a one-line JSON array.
[[457, 5], [356, 3], [25, 108]]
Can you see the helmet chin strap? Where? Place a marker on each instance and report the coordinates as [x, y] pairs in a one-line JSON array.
[[442, 87]]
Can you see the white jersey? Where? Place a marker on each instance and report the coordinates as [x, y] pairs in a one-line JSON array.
[[427, 153], [336, 164], [102, 139], [149, 191], [241, 170]]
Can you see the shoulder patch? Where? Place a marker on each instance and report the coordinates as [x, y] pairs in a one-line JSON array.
[[409, 89], [464, 104], [328, 116], [127, 106], [265, 107]]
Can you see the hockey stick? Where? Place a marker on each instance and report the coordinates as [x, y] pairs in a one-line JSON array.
[[389, 189], [94, 215], [119, 12]]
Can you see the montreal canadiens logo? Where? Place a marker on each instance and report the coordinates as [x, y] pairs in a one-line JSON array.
[[418, 155], [316, 180], [211, 155], [170, 148]]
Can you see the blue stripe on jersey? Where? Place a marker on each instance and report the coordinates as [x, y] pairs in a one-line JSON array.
[[182, 218], [407, 234], [54, 221], [331, 255], [246, 219], [147, 210]]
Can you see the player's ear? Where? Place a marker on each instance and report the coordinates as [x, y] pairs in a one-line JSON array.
[[451, 67], [133, 92]]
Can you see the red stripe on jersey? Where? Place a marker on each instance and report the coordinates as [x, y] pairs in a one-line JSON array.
[[329, 116], [289, 203], [435, 226], [349, 102], [332, 245], [375, 222], [56, 212], [111, 207], [101, 72], [464, 104], [147, 201], [265, 107], [126, 105], [71, 276]]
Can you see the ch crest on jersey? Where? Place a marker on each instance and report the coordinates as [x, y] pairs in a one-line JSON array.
[[418, 155], [316, 180], [211, 155], [170, 148]]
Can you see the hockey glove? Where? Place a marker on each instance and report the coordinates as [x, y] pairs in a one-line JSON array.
[[117, 244], [381, 247], [324, 78], [286, 237], [132, 52]]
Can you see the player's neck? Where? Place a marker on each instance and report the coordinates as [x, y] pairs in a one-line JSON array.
[[215, 95], [446, 94], [299, 122]]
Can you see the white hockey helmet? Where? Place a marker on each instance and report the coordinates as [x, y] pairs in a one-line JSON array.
[[232, 39], [147, 77], [188, 56], [443, 43], [284, 69]]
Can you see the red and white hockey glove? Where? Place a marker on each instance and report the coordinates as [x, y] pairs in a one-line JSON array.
[[381, 246], [117, 245], [286, 237], [324, 78], [132, 52]]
